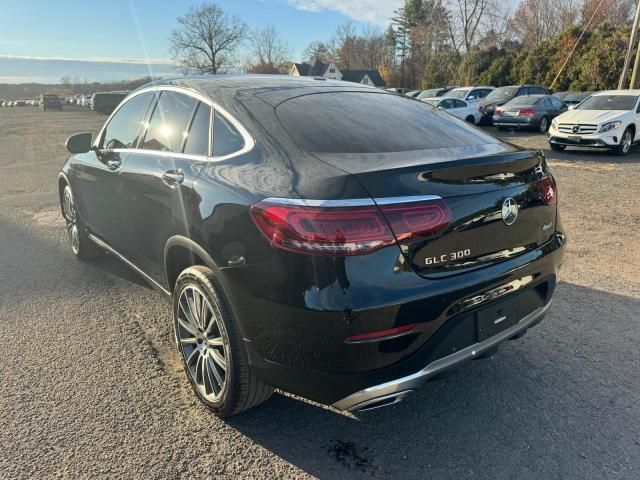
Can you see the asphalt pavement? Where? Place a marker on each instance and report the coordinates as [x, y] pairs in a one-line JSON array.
[[92, 387]]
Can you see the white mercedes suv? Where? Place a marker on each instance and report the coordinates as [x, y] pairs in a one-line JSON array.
[[604, 120]]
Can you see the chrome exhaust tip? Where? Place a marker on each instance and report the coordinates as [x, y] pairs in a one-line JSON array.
[[381, 402]]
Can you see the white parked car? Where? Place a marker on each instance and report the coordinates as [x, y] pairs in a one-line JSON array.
[[606, 119], [470, 94], [465, 110]]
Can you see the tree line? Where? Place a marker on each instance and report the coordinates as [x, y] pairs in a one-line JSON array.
[[431, 43]]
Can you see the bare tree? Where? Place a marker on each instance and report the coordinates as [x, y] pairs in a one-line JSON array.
[[318, 50], [614, 12], [535, 21], [467, 20], [206, 39], [269, 50]]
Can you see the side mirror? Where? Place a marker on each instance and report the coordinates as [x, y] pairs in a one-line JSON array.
[[79, 143]]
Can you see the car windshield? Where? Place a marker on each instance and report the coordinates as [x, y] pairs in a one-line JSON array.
[[432, 101], [458, 93], [609, 102], [502, 93]]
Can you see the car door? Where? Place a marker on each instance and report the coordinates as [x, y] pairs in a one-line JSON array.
[[96, 180], [157, 200]]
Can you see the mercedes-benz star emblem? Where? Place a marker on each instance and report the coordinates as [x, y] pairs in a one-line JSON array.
[[510, 211], [575, 128]]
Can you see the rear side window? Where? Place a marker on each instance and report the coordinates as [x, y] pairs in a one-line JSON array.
[[122, 130], [169, 122], [198, 139], [226, 138], [358, 122]]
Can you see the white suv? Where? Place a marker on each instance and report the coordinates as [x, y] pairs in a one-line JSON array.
[[604, 120]]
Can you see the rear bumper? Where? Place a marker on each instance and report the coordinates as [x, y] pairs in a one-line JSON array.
[[301, 348], [516, 122], [395, 390]]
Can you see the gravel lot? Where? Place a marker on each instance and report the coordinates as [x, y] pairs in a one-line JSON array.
[[91, 385]]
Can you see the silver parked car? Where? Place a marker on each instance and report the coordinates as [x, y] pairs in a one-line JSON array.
[[533, 112]]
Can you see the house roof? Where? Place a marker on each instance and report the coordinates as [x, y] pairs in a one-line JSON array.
[[315, 69], [357, 76]]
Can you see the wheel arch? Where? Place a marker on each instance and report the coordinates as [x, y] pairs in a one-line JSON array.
[[180, 253], [632, 126], [63, 181]]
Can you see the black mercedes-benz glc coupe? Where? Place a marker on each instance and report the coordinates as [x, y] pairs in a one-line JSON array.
[[326, 238]]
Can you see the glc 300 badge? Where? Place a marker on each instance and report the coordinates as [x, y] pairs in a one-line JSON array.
[[510, 211]]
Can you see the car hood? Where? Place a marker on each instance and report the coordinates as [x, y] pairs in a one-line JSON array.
[[590, 116]]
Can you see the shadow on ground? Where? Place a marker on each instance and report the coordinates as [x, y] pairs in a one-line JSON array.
[[559, 403]]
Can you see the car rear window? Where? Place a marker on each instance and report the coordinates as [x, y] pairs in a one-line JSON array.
[[524, 101], [358, 122]]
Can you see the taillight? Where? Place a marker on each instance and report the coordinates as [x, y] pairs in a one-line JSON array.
[[339, 230], [527, 112], [498, 110], [548, 191]]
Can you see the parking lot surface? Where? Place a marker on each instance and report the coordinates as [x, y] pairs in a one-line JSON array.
[[91, 384]]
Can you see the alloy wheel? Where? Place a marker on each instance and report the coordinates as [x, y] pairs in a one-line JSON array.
[[203, 342], [71, 219], [544, 125], [626, 142]]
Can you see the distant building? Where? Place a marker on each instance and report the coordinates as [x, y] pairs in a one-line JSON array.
[[331, 71]]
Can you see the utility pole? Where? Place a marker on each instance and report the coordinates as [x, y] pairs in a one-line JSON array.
[[627, 60]]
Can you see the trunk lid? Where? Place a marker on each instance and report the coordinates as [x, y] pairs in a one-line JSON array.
[[499, 201]]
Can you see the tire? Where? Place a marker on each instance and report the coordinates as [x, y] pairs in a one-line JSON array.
[[556, 147], [544, 125], [216, 362], [471, 119], [81, 245], [625, 143]]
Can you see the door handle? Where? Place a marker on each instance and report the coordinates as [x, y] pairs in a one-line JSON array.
[[173, 178], [114, 164]]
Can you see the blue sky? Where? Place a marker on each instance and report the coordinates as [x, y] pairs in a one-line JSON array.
[[138, 30]]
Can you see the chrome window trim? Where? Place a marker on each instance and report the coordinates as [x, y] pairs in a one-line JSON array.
[[351, 202], [249, 142], [408, 199]]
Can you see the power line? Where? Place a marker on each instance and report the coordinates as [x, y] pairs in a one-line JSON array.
[[576, 44]]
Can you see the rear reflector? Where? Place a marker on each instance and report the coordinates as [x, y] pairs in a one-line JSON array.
[[331, 230], [381, 334], [548, 191]]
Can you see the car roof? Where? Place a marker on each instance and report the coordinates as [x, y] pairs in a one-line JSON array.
[[272, 89], [635, 92], [473, 86]]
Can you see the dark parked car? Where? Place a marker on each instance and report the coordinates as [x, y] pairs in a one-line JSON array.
[[530, 112], [574, 98], [502, 95], [348, 266], [50, 102], [106, 102], [20, 103]]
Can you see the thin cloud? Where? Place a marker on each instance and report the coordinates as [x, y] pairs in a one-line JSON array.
[[133, 61], [379, 12]]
